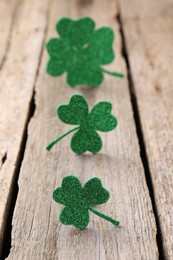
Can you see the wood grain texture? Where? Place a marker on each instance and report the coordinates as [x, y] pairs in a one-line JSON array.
[[37, 233], [150, 50], [7, 16], [146, 9], [17, 76]]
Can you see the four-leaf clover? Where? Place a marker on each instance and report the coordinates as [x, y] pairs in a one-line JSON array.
[[86, 137], [81, 51], [79, 200]]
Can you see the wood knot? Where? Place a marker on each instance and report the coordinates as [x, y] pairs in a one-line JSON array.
[[158, 88], [84, 3]]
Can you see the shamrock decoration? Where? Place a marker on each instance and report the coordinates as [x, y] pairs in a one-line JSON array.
[[81, 51], [77, 113], [78, 201]]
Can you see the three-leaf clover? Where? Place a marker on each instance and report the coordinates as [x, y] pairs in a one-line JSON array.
[[80, 51], [79, 200], [77, 113]]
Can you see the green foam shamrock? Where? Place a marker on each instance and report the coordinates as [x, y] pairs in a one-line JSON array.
[[80, 51], [77, 113], [78, 201]]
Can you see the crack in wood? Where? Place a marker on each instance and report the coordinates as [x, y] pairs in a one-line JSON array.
[[3, 159], [14, 188]]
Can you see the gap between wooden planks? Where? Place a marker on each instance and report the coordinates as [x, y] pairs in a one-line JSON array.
[[22, 25], [148, 28], [36, 232]]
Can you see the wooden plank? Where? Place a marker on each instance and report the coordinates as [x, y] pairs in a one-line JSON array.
[[7, 15], [37, 233], [146, 9], [17, 76], [150, 48]]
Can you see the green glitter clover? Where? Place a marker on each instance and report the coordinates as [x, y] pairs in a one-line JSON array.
[[77, 113], [81, 51], [78, 201]]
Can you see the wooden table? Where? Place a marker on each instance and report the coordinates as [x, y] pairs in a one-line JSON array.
[[136, 162]]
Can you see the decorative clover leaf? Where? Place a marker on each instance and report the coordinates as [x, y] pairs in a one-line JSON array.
[[78, 201], [80, 51], [77, 113]]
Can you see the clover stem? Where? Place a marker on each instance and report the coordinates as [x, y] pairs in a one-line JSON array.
[[100, 214], [116, 74], [50, 145]]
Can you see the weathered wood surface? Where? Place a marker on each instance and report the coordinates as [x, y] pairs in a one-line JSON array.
[[148, 27], [36, 232], [22, 25], [7, 15]]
